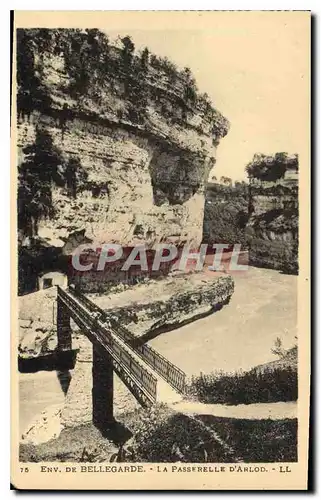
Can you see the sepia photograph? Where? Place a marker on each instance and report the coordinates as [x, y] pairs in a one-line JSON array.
[[161, 193]]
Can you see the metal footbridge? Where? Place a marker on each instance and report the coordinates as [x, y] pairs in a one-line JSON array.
[[148, 375]]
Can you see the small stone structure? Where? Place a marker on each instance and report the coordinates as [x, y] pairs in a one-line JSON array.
[[50, 279]]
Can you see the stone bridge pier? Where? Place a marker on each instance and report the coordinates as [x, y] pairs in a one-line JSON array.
[[103, 388], [102, 371], [63, 328]]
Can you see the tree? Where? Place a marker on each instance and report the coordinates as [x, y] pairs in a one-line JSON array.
[[268, 168], [127, 52], [278, 349], [154, 61], [36, 174], [144, 60]]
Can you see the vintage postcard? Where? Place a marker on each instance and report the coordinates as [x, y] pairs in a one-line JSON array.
[[160, 222]]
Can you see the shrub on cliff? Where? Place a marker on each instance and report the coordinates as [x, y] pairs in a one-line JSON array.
[[226, 214], [97, 68]]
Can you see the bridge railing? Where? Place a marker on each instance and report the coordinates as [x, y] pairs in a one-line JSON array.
[[171, 373], [174, 375], [101, 334]]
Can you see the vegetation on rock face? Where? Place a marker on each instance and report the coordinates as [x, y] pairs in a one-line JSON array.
[[97, 68], [270, 236], [228, 208], [32, 93], [39, 170], [43, 165], [70, 78], [278, 221], [226, 213]]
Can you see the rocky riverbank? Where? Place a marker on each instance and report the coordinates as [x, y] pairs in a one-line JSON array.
[[151, 307]]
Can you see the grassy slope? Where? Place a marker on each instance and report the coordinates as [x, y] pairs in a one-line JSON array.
[[68, 447], [267, 383], [161, 435]]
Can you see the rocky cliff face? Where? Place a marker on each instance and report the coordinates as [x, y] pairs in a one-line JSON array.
[[133, 147], [272, 229]]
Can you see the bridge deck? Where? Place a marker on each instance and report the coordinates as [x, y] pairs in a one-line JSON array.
[[167, 370], [165, 392], [131, 363]]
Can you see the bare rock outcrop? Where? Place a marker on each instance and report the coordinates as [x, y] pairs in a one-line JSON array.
[[151, 308]]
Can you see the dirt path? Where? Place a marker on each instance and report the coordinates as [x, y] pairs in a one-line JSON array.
[[256, 411]]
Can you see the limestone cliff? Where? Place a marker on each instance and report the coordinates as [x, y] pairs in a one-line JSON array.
[[272, 229], [131, 141]]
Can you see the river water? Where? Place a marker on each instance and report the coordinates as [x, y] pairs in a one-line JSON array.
[[240, 336]]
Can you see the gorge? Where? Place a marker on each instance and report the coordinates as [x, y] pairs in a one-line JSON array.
[[116, 146]]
